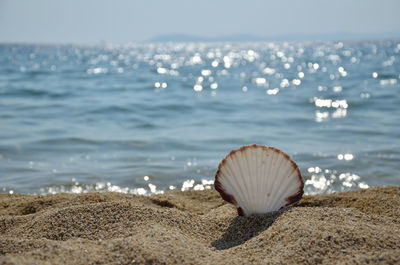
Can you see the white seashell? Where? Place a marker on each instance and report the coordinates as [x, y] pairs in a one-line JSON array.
[[258, 179]]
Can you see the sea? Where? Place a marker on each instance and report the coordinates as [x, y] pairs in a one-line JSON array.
[[146, 118]]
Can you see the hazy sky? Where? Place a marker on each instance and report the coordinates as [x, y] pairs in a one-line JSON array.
[[86, 21]]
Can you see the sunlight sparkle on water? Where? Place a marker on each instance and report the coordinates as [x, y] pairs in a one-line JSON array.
[[97, 70], [197, 59], [187, 184], [260, 81], [337, 89], [345, 156], [284, 83], [320, 116], [162, 70], [342, 71], [214, 86], [339, 113], [227, 62], [273, 91], [296, 82], [197, 88], [269, 71], [206, 72], [327, 181]]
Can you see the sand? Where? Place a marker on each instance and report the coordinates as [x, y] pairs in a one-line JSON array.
[[197, 227]]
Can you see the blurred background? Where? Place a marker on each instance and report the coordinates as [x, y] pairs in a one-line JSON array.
[[148, 97]]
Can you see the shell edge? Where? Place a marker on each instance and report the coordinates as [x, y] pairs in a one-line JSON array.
[[299, 194], [231, 199], [224, 194]]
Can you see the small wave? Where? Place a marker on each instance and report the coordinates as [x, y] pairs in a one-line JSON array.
[[35, 93], [387, 76], [180, 107], [35, 73], [66, 141], [81, 143], [145, 126], [110, 110]]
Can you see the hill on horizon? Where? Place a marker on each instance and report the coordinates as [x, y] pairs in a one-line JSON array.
[[242, 37]]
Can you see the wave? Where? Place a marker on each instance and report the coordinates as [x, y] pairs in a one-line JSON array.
[[36, 93]]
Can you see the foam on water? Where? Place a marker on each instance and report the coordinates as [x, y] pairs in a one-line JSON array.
[[103, 118]]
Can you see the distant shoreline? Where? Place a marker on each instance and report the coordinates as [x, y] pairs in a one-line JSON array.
[[288, 37], [182, 38]]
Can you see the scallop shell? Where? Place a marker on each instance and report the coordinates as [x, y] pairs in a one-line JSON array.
[[258, 179]]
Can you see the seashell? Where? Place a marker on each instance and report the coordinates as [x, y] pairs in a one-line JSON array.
[[258, 179]]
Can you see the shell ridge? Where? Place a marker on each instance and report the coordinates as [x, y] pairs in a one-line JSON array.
[[257, 184], [292, 176], [239, 178], [248, 167], [260, 187], [276, 178], [241, 182], [281, 200], [219, 186], [222, 191], [300, 191], [282, 189], [242, 173], [268, 182], [286, 182], [251, 155], [232, 187], [296, 196], [273, 170], [289, 180], [226, 181]]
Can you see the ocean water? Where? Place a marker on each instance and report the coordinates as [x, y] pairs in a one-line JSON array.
[[149, 118]]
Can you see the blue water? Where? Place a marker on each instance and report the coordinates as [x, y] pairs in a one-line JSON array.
[[149, 118]]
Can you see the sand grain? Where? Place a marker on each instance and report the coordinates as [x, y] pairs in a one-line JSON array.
[[197, 227]]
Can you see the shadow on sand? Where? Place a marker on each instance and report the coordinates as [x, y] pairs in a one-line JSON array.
[[244, 228]]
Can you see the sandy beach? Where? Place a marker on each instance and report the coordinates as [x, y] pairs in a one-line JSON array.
[[198, 227]]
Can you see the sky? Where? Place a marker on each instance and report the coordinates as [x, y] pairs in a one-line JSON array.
[[122, 21]]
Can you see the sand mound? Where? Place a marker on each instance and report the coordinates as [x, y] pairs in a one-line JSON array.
[[198, 227]]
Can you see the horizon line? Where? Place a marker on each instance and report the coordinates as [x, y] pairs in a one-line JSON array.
[[232, 38]]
